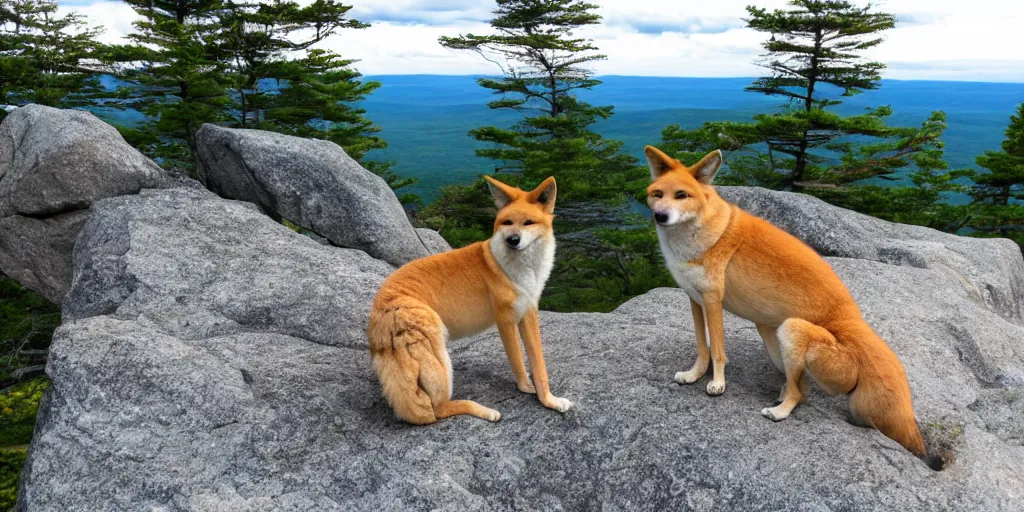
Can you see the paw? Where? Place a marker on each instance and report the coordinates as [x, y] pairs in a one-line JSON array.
[[716, 387], [527, 387], [558, 404], [776, 413], [493, 416], [688, 377]]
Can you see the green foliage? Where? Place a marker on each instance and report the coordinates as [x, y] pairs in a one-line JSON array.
[[11, 462], [813, 43], [599, 269], [27, 321], [18, 409], [179, 84], [246, 65], [543, 65], [45, 58], [462, 214], [808, 147], [259, 41], [998, 210]]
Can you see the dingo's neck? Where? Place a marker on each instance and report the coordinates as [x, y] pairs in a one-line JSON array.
[[528, 269], [688, 241]]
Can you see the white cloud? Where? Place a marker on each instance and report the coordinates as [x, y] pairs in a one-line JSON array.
[[115, 17], [938, 39]]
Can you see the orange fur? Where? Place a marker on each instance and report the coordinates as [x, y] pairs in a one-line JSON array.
[[462, 292], [728, 259]]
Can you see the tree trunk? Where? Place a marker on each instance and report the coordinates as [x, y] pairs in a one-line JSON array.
[[812, 79]]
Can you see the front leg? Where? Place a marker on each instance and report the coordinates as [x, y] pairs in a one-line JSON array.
[[716, 330], [700, 366], [507, 329], [529, 327]]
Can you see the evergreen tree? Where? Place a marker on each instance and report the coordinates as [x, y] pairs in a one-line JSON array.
[[179, 85], [999, 192], [544, 65], [263, 44], [816, 43], [280, 84], [45, 58], [814, 46]]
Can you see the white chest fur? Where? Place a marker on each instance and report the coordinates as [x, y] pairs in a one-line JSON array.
[[528, 269], [679, 247]]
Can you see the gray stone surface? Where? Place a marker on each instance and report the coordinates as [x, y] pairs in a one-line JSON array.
[[53, 165], [433, 240], [989, 269], [313, 184], [37, 252], [189, 263], [213, 360]]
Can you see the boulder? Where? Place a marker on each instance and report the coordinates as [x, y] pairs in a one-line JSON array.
[[212, 359], [311, 183], [433, 241], [193, 265], [53, 165]]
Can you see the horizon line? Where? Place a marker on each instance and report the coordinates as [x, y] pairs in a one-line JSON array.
[[612, 75]]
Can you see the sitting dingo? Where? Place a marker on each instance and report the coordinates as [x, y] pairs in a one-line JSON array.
[[462, 292], [726, 258]]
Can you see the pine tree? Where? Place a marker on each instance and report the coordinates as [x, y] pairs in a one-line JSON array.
[[816, 43], [999, 192], [261, 42], [544, 66], [280, 84], [179, 85], [45, 58]]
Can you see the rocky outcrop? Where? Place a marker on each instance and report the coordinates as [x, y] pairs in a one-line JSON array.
[[311, 183], [214, 360], [53, 165]]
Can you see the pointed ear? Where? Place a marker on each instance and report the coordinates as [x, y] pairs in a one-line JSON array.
[[708, 166], [545, 194], [659, 162], [503, 194]]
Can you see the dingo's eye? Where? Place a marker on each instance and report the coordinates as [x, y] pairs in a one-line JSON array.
[[680, 195], [527, 223], [658, 194], [506, 223]]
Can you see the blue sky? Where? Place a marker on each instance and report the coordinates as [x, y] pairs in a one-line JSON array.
[[971, 40]]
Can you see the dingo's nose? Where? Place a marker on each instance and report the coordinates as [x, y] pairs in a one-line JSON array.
[[661, 217], [512, 241]]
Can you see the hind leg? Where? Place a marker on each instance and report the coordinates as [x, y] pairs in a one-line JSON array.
[[455, 407], [810, 349], [435, 380], [771, 345]]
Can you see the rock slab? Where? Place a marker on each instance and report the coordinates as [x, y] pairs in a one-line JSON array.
[[311, 183], [53, 165], [214, 360]]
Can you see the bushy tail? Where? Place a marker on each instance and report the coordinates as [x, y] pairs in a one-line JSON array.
[[405, 342], [882, 397]]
